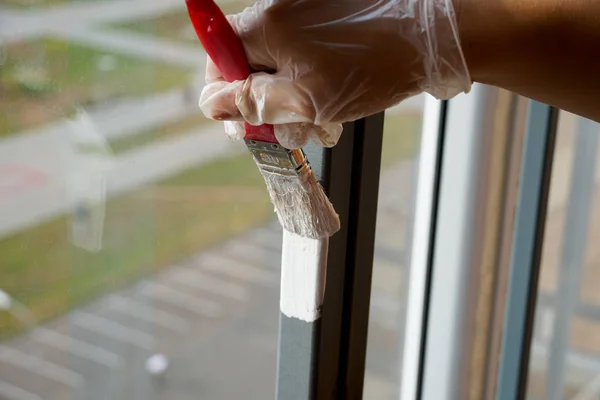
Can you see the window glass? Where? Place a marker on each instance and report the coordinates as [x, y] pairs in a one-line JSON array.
[[565, 351], [397, 191], [139, 254]]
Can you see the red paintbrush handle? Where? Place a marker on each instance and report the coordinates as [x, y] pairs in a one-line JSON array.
[[225, 49]]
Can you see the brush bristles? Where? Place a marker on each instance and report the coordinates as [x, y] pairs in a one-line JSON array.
[[301, 204]]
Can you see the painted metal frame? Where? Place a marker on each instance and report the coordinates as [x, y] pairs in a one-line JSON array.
[[476, 194], [326, 359]]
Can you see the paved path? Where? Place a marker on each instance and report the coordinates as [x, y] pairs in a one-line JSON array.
[[215, 315], [25, 24], [111, 120], [29, 201], [138, 45]]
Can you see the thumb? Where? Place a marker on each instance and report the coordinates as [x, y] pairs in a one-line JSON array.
[[260, 99]]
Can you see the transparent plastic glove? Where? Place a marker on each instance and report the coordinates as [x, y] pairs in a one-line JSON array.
[[328, 62], [290, 135]]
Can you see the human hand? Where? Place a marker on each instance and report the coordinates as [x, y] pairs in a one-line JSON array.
[[328, 62]]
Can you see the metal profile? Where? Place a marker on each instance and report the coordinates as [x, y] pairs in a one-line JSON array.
[[326, 359], [526, 251]]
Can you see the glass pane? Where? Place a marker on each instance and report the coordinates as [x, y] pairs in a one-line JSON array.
[[401, 142], [565, 355], [139, 254]]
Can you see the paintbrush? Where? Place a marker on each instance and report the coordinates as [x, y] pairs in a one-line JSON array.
[[300, 202], [303, 209]]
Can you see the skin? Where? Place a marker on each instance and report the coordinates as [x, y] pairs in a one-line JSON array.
[[547, 50]]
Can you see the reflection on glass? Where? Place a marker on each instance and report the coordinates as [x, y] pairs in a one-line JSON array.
[[401, 141], [565, 355], [139, 253]]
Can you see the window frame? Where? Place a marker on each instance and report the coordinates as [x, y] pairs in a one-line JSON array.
[[528, 240], [326, 358], [476, 193], [427, 198]]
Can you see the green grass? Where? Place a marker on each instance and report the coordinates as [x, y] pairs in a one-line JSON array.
[[149, 229], [143, 232], [176, 25], [46, 79]]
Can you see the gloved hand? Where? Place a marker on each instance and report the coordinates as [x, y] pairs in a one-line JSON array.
[[329, 62]]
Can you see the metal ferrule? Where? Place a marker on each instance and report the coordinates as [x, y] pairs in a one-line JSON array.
[[274, 157]]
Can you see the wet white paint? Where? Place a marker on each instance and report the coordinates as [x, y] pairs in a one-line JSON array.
[[303, 272]]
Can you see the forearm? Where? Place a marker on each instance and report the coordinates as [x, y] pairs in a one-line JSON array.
[[548, 50]]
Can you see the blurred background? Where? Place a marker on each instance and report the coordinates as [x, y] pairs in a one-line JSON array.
[[139, 252], [565, 351]]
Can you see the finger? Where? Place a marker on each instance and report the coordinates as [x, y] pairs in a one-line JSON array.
[[296, 135], [273, 99], [256, 55], [260, 99], [250, 27], [292, 136], [217, 101], [235, 130], [327, 135]]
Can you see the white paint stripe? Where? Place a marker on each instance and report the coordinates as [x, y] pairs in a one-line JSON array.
[[77, 347], [303, 271], [113, 330], [253, 253], [16, 393], [41, 367], [148, 314], [200, 280], [192, 303], [222, 265]]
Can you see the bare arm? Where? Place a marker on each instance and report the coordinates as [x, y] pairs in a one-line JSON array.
[[547, 50]]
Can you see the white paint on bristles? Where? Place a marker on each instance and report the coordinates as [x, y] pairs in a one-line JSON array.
[[303, 272]]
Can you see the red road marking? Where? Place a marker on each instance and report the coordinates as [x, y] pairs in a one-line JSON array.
[[15, 178]]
